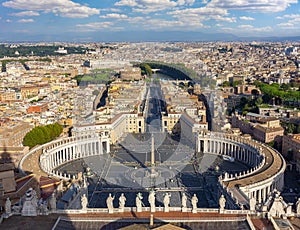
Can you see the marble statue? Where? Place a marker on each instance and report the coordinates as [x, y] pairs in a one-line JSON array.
[[183, 202], [222, 202], [122, 200], [151, 200], [84, 202], [84, 180], [298, 206], [34, 197], [109, 203], [30, 205], [138, 202], [7, 206], [194, 203], [252, 204], [52, 202], [43, 210], [167, 202]]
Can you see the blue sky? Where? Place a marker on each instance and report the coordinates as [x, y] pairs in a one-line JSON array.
[[86, 20]]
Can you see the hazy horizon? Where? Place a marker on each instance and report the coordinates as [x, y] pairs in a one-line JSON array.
[[147, 20]]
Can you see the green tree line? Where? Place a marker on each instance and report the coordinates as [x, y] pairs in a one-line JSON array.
[[275, 90], [145, 68], [38, 50], [42, 134], [97, 76], [179, 71]]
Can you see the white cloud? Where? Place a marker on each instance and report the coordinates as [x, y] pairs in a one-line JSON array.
[[185, 2], [94, 26], [255, 29], [202, 11], [286, 25], [292, 16], [8, 20], [115, 10], [224, 19], [29, 13], [245, 18], [147, 6], [115, 16], [126, 3], [293, 22], [246, 26], [134, 20], [202, 14], [63, 8], [158, 24], [26, 20], [253, 5]]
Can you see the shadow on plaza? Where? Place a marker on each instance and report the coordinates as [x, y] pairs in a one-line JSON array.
[[133, 222]]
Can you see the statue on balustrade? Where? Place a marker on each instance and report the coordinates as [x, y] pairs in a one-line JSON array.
[[52, 202], [84, 202], [109, 203], [151, 200], [183, 202], [298, 206], [122, 200], [30, 206], [167, 202], [194, 203], [7, 206], [222, 202], [138, 202]]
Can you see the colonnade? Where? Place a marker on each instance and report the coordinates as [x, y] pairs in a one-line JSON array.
[[267, 165], [240, 151], [261, 193], [68, 149]]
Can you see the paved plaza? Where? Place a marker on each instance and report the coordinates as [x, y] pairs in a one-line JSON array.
[[178, 169]]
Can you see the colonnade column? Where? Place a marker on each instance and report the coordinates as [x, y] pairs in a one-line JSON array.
[[259, 196], [108, 146]]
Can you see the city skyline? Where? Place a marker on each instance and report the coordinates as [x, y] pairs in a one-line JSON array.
[[147, 20]]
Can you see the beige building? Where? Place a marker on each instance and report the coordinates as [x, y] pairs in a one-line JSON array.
[[131, 73], [291, 148], [262, 128], [12, 154], [7, 179], [8, 95], [171, 122], [29, 91], [13, 135]]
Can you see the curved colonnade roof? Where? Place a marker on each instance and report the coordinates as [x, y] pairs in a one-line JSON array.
[[273, 164]]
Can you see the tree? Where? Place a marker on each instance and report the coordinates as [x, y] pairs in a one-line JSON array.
[[235, 83], [259, 101], [285, 87], [95, 92], [243, 101], [290, 128], [298, 129], [42, 134], [226, 84]]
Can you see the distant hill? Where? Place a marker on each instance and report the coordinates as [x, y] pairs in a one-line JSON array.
[[271, 39], [144, 36]]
